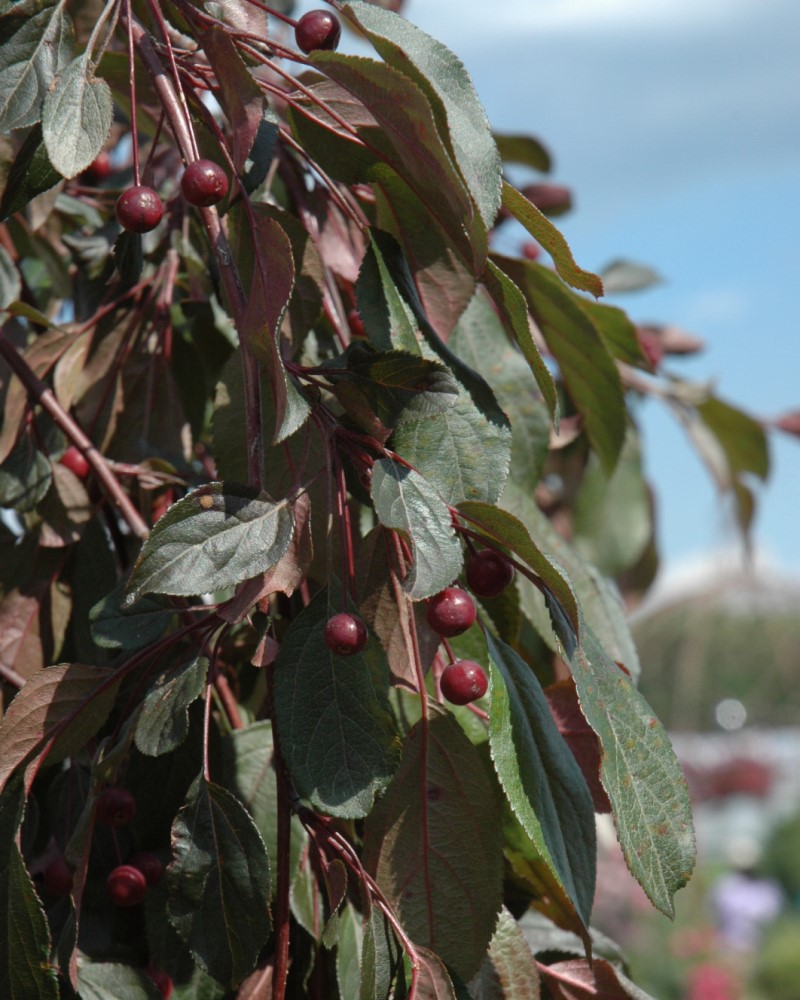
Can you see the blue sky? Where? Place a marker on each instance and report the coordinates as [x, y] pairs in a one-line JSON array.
[[677, 125]]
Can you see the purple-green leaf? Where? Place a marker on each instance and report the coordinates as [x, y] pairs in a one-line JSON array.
[[435, 847], [219, 883], [215, 537]]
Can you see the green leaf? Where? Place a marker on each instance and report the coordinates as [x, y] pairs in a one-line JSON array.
[[164, 720], [101, 980], [460, 452], [25, 970], [405, 501], [434, 846], [338, 735], [742, 438], [25, 477], [600, 604], [613, 518], [218, 883], [31, 174], [393, 385], [628, 276], [508, 971], [215, 537], [513, 307], [587, 367], [479, 335], [387, 318], [247, 762], [381, 960], [540, 777], [10, 281], [29, 61], [510, 532], [440, 74], [616, 329], [523, 149], [58, 706], [76, 118], [116, 627], [348, 952], [540, 227], [639, 770]]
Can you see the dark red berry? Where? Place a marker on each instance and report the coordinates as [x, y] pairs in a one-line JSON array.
[[139, 209], [463, 681], [98, 170], [115, 807], [162, 980], [531, 250], [149, 865], [126, 886], [451, 612], [345, 634], [204, 183], [74, 460], [58, 877], [318, 29], [488, 573]]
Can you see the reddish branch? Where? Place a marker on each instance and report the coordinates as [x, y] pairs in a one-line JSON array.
[[45, 397]]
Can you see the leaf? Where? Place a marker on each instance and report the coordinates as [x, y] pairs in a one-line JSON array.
[[100, 980], [163, 722], [433, 982], [440, 74], [215, 537], [741, 437], [30, 175], [248, 768], [116, 627], [580, 738], [218, 883], [10, 282], [388, 319], [512, 306], [587, 367], [639, 770], [62, 706], [510, 532], [405, 137], [540, 777], [76, 118], [348, 952], [434, 846], [25, 477], [273, 279], [615, 327], [540, 227], [238, 94], [600, 603], [523, 149], [479, 335], [381, 959], [25, 970], [394, 385], [575, 980], [628, 276], [338, 736], [508, 971], [29, 61], [612, 514], [405, 501]]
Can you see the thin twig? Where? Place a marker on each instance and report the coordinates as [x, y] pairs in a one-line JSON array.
[[46, 398]]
